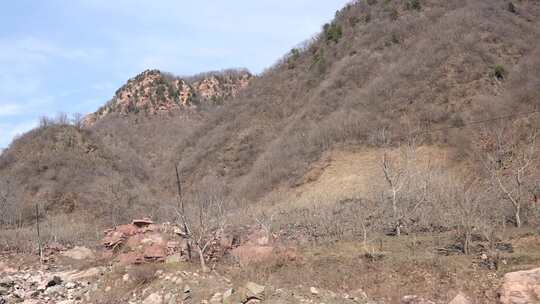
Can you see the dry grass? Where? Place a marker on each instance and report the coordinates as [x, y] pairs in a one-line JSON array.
[[341, 266], [63, 229]]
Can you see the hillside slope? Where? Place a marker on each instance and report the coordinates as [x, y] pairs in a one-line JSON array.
[[385, 66]]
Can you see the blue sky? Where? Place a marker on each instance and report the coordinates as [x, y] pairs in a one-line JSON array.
[[71, 55]]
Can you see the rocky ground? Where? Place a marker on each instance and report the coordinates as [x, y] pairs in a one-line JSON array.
[[166, 284], [144, 263], [46, 285]]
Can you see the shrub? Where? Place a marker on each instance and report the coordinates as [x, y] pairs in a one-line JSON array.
[[413, 5], [499, 72], [367, 18], [295, 53], [332, 32], [293, 56], [512, 8], [353, 21], [395, 39], [394, 14]]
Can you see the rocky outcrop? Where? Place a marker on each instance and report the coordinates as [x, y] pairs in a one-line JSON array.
[[143, 241], [521, 287], [153, 92]]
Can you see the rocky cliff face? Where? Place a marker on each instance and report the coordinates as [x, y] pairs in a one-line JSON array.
[[153, 91]]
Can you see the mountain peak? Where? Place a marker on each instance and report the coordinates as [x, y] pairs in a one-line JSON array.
[[154, 91]]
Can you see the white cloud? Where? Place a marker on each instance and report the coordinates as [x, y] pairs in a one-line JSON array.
[[10, 109]]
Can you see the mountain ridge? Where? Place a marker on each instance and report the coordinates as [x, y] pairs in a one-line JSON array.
[[154, 91]]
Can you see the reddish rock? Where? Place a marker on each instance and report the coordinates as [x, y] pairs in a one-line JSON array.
[[113, 239], [521, 287], [127, 230], [154, 238], [134, 242], [156, 252], [130, 258], [142, 222]]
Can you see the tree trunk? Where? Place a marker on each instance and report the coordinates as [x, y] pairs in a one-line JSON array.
[[40, 248], [364, 232], [518, 216], [201, 259], [395, 212], [466, 243]]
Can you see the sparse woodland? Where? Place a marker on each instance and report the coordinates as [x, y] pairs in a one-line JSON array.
[[395, 78]]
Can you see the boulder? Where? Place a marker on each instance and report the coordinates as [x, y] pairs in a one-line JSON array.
[[461, 298], [255, 290], [521, 287], [156, 252], [142, 222], [217, 298], [7, 282], [57, 290], [56, 280], [79, 253], [154, 298], [113, 239]]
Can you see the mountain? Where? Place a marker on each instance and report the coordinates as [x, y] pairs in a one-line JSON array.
[[401, 140], [153, 92], [378, 66]]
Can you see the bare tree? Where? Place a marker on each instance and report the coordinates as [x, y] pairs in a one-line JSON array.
[[466, 198], [62, 118], [203, 220], [367, 215], [266, 221], [5, 212], [508, 162], [76, 120], [399, 174]]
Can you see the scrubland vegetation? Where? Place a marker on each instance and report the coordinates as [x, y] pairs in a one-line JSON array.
[[393, 77]]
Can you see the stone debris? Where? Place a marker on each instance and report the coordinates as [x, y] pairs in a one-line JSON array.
[[37, 286]]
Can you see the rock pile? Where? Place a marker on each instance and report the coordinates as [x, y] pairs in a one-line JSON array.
[[33, 287], [143, 241]]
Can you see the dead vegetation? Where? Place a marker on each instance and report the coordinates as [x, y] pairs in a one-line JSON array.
[[390, 76]]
